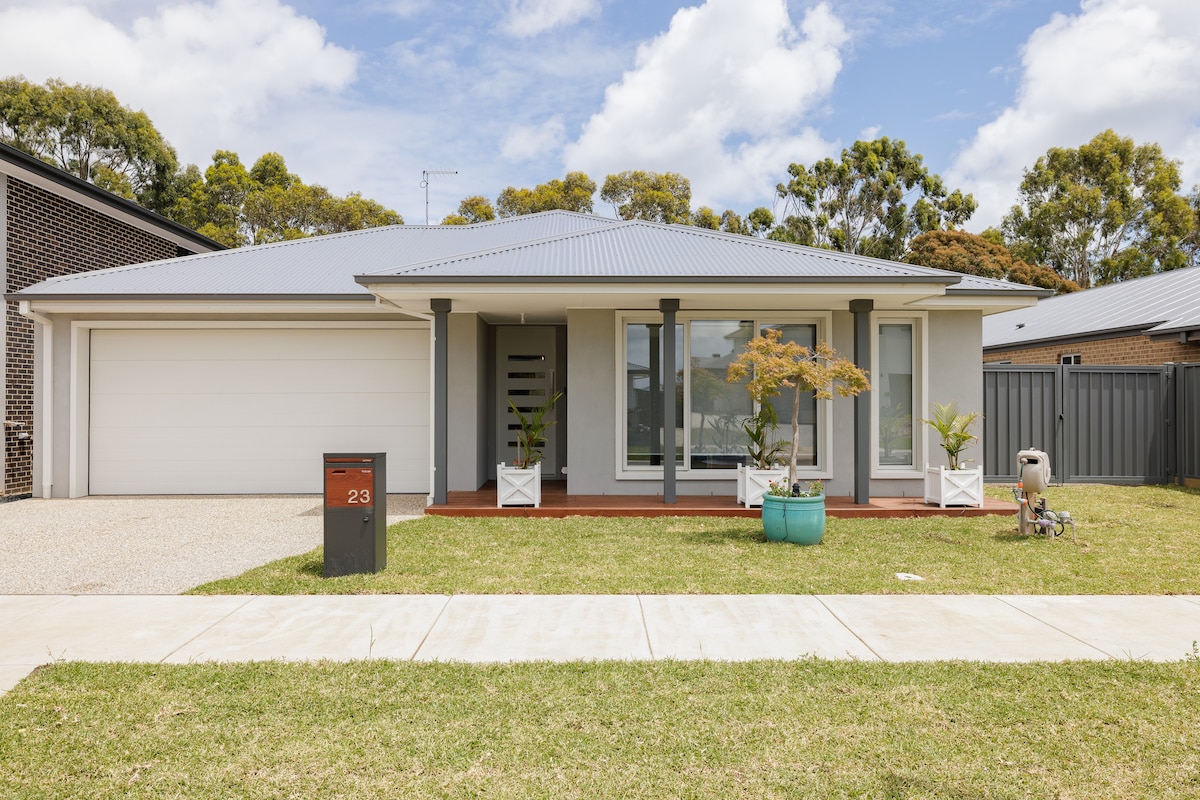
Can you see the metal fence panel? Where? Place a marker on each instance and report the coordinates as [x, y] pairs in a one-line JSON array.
[[1188, 414], [1020, 411], [1115, 424], [1097, 424]]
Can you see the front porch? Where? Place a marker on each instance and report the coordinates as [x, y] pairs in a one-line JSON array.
[[557, 503]]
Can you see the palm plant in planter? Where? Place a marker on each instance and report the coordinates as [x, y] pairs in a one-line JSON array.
[[754, 480], [956, 484], [773, 365], [521, 483]]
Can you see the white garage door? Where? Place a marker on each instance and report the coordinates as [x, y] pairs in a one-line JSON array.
[[251, 411]]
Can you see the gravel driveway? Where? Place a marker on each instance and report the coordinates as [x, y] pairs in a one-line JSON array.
[[155, 545]]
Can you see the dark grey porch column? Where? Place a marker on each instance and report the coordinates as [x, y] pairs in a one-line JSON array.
[[861, 309], [668, 309], [441, 393]]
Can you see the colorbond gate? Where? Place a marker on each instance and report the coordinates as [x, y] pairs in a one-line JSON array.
[[1097, 424]]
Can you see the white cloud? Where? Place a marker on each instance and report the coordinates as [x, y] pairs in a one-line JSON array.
[[718, 98], [204, 71], [531, 17], [1129, 65], [528, 142]]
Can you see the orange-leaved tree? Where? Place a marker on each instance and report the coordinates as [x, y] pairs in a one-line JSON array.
[[773, 365]]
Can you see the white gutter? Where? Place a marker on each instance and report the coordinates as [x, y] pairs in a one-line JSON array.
[[45, 438]]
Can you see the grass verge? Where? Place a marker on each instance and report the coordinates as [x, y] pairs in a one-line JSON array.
[[1130, 540], [604, 730]]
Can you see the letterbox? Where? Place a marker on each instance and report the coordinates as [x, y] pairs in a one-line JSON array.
[[355, 513]]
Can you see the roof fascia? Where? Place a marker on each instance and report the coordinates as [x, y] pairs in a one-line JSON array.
[[1091, 336], [202, 305]]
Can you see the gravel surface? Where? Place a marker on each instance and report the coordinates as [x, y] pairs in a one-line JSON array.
[[156, 545]]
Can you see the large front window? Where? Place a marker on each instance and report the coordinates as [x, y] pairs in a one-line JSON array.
[[710, 412]]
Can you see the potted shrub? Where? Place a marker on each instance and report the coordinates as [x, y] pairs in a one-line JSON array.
[[520, 483], [957, 484], [764, 449], [794, 513], [773, 365]]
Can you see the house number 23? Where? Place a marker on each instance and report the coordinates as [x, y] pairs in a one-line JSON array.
[[360, 497]]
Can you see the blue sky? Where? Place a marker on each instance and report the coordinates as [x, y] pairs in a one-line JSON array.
[[365, 94]]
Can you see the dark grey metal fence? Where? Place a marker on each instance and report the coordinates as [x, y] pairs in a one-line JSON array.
[[1097, 424], [1187, 404]]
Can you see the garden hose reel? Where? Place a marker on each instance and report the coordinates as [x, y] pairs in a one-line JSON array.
[[1033, 515]]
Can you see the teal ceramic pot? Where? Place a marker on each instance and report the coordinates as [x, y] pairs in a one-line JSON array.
[[800, 520]]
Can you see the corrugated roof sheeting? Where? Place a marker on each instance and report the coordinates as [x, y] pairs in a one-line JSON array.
[[546, 246], [1168, 301], [647, 250], [321, 265]]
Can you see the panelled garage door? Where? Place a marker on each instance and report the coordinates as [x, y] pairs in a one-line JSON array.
[[251, 411]]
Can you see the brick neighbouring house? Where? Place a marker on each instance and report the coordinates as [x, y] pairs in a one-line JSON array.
[[1146, 321], [52, 223]]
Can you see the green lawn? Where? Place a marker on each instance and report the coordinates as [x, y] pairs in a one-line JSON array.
[[804, 729], [1130, 540]]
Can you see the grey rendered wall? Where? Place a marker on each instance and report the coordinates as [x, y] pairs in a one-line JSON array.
[[842, 456], [955, 373], [591, 393], [468, 403]]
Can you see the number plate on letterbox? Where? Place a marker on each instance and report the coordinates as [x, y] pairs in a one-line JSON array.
[[349, 487]]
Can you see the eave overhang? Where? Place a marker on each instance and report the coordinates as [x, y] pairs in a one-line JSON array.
[[506, 299]]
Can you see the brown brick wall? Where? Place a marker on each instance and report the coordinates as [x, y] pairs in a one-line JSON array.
[[1123, 351], [47, 236]]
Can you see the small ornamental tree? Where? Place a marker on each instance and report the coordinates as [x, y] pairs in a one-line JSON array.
[[773, 365]]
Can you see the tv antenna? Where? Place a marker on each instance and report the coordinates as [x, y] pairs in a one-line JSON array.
[[425, 173]]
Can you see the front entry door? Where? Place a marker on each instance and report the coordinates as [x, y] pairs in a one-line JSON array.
[[527, 373]]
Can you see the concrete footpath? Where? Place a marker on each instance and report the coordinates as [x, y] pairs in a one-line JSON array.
[[38, 629]]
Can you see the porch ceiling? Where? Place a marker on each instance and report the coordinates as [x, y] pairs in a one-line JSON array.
[[504, 302]]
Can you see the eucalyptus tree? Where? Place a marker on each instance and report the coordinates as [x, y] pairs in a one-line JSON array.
[[84, 130], [1103, 212], [654, 196], [572, 193], [871, 201]]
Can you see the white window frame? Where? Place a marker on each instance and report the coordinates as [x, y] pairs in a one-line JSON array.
[[920, 324], [823, 320]]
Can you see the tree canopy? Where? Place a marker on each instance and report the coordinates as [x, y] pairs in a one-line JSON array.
[[871, 202], [1103, 212], [475, 208], [972, 254], [572, 193], [86, 131], [653, 196], [266, 203]]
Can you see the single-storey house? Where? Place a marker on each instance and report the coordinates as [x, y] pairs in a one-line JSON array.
[[1145, 321], [53, 223], [233, 372]]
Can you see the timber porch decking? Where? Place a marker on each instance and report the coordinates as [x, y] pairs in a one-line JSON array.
[[557, 503]]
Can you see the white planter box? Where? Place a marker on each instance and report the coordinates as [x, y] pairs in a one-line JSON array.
[[753, 483], [518, 487], [954, 487]]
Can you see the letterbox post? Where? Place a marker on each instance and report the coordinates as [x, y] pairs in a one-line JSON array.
[[355, 513]]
